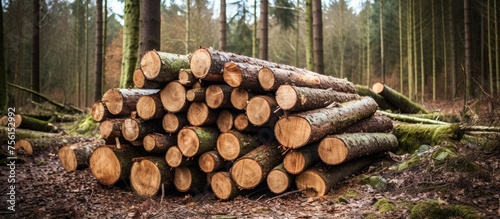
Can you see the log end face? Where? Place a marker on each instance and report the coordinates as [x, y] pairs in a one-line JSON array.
[[332, 150], [68, 158], [225, 121], [228, 146], [170, 123], [188, 142], [258, 110], [214, 96], [286, 97], [232, 74], [130, 129], [201, 62], [292, 131], [113, 100], [145, 178], [266, 78], [149, 142], [146, 107], [277, 181], [206, 163], [105, 166], [311, 183], [294, 162], [246, 173], [222, 185], [139, 78], [173, 97], [98, 111], [183, 179], [239, 98], [173, 157], [378, 87], [151, 65], [106, 128], [24, 145], [198, 113]]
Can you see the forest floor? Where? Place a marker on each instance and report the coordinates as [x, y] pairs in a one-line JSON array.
[[45, 190]]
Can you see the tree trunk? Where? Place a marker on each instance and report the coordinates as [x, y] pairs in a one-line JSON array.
[[150, 107], [468, 91], [196, 94], [264, 23], [223, 186], [317, 36], [218, 96], [225, 120], [76, 156], [175, 158], [194, 141], [100, 112], [373, 124], [140, 81], [130, 45], [211, 161], [296, 161], [251, 169], [233, 144], [200, 115], [263, 110], [136, 129], [149, 174], [292, 98], [98, 53], [124, 101], [186, 77], [163, 66], [309, 35], [111, 128], [403, 104], [187, 29], [159, 143], [452, 47], [35, 75], [279, 180], [222, 26], [3, 73], [243, 75], [337, 149], [150, 26], [173, 97], [31, 146], [242, 124], [366, 91], [299, 129], [26, 122], [173, 122], [240, 98], [190, 179]]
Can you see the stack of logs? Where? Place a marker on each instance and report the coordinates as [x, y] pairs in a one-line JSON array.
[[234, 123]]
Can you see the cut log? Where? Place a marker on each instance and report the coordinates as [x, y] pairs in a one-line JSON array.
[[263, 110], [225, 120], [111, 128], [187, 78], [271, 78], [196, 94], [31, 146], [149, 174], [373, 124], [234, 144], [337, 149], [4, 120], [175, 158], [401, 102], [137, 129], [25, 133], [150, 107], [199, 114], [240, 98], [242, 124], [296, 161], [140, 81], [76, 156], [194, 141], [251, 169], [190, 179], [319, 180], [302, 128], [173, 97], [412, 136], [243, 75], [294, 98], [412, 119], [366, 91], [159, 143], [124, 101], [162, 66], [279, 180], [218, 96], [100, 112], [211, 161], [173, 122], [109, 164], [223, 186], [26, 122]]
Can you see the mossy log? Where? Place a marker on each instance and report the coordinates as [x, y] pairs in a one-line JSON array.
[[251, 169], [240, 98], [123, 101], [401, 102], [233, 144], [223, 186], [76, 156], [302, 128], [100, 112], [279, 180], [137, 129], [187, 78], [263, 110], [211, 161], [149, 174], [150, 107], [26, 122], [412, 136], [292, 98], [366, 91], [218, 96], [225, 120], [411, 118], [372, 124], [159, 143], [174, 158], [337, 149], [25, 133], [163, 66], [31, 146], [111, 128], [242, 124], [243, 75], [296, 161], [173, 97], [319, 180], [190, 179], [140, 81], [194, 141], [199, 114], [173, 122], [196, 94]]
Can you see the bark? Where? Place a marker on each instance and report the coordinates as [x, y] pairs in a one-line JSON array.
[[25, 133], [309, 35], [233, 144], [30, 146], [317, 36], [173, 122], [294, 98], [150, 107], [199, 114], [402, 103], [186, 77], [140, 81], [240, 98], [190, 179], [242, 75], [299, 129], [242, 124], [225, 120], [468, 92], [263, 110], [366, 91], [149, 174], [3, 73], [412, 136], [136, 129], [296, 161], [211, 161], [26, 122], [222, 26], [131, 17], [418, 118], [162, 66], [279, 180], [98, 51], [194, 141], [100, 112], [218, 96], [173, 97], [196, 94], [150, 26], [175, 158], [124, 101], [35, 62], [373, 124], [264, 23], [111, 128], [223, 186], [159, 143], [251, 169], [337, 149], [76, 156]]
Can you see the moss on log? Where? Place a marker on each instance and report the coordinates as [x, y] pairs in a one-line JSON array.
[[163, 66], [412, 136], [26, 122], [187, 78], [398, 100], [194, 141], [366, 91]]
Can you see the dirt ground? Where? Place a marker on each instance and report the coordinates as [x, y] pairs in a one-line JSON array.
[[45, 190]]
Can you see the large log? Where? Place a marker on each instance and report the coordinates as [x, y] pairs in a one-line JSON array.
[[159, 143], [111, 128], [270, 78], [296, 161], [366, 91], [223, 186], [302, 128], [187, 78], [150, 107], [76, 156], [294, 98], [33, 145], [194, 141], [173, 122], [225, 120], [218, 96], [140, 81], [243, 75], [240, 98], [162, 66], [279, 180], [317, 181], [100, 112], [412, 136], [190, 179], [199, 114], [175, 158], [173, 97], [337, 149], [398, 100], [137, 129], [263, 110], [196, 94], [149, 174], [124, 101], [211, 161], [26, 122], [251, 169], [233, 144], [375, 123]]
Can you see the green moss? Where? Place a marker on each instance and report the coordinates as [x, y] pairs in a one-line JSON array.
[[406, 164], [376, 182], [351, 193], [433, 209], [412, 136], [86, 127], [383, 205], [370, 215]]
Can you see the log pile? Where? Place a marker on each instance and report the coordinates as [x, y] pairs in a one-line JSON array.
[[234, 123]]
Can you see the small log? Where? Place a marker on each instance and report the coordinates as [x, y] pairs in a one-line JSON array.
[[158, 143], [173, 122], [225, 120], [375, 123], [366, 91], [223, 186], [111, 128], [194, 141], [234, 144], [124, 101], [218, 96], [26, 122], [243, 75], [401, 102], [76, 156], [173, 97], [242, 124], [140, 81], [302, 128], [296, 161], [25, 133], [292, 98], [411, 118], [337, 149], [149, 174], [196, 94], [319, 180], [251, 169], [187, 78], [279, 180], [211, 161], [137, 129], [175, 158], [100, 112], [263, 110], [150, 107], [199, 114], [190, 179], [162, 66], [240, 98], [31, 146]]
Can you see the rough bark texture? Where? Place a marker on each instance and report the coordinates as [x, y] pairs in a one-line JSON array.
[[124, 101], [263, 110], [196, 94], [234, 144], [150, 107], [150, 26], [243, 75], [240, 98], [279, 180], [199, 114], [294, 98], [302, 128], [194, 141], [218, 96], [211, 161], [366, 91], [187, 78], [173, 122], [299, 160], [100, 112], [162, 66], [130, 42], [24, 133], [375, 123], [223, 186], [149, 174], [173, 97], [136, 129], [401, 102], [159, 143], [140, 81], [111, 128], [26, 122], [76, 156], [32, 145], [336, 149], [190, 179]]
